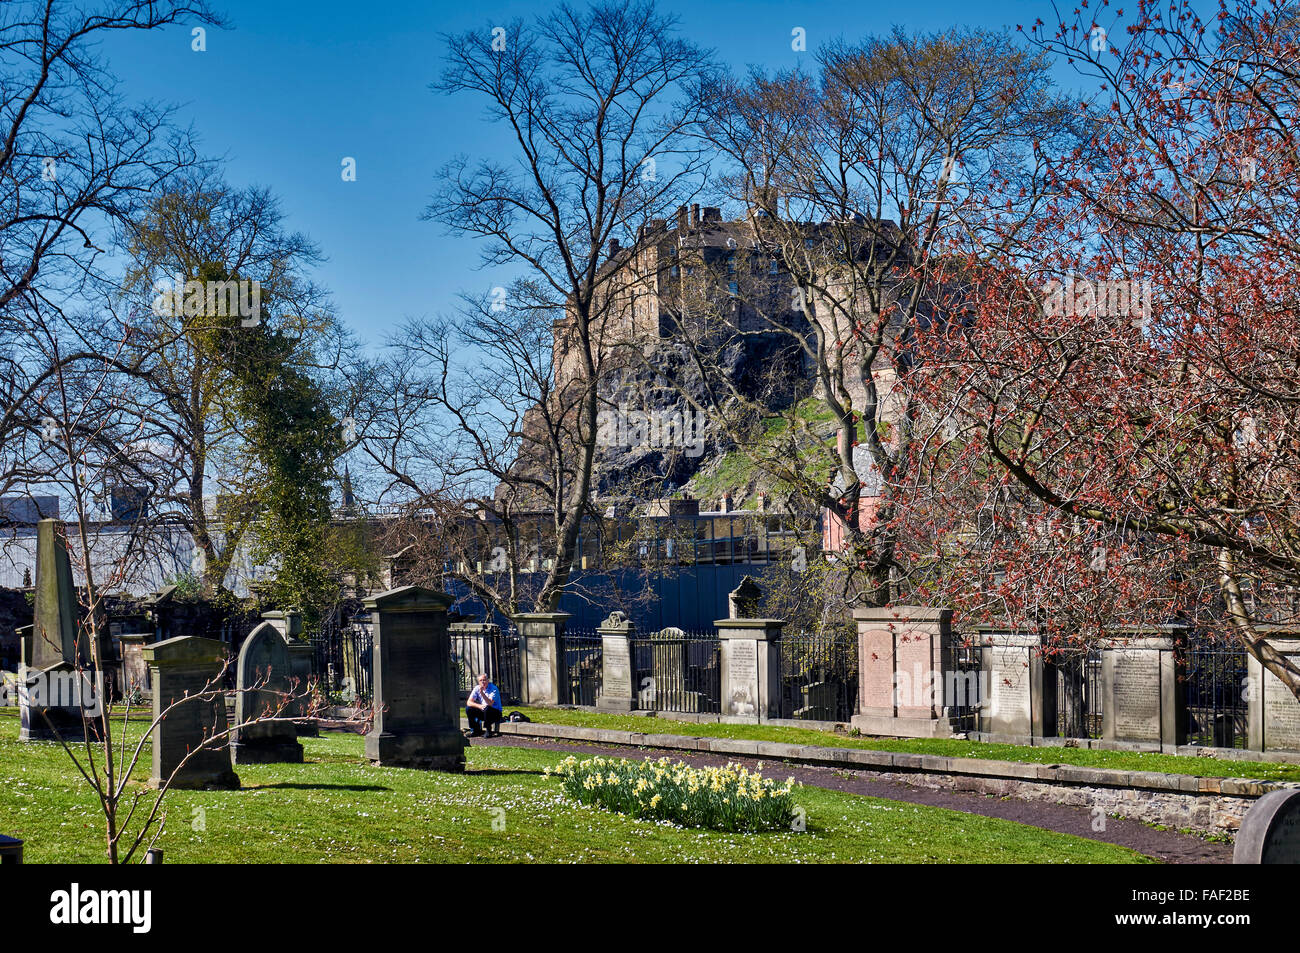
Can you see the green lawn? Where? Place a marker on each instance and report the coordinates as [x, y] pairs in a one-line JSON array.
[[337, 808], [943, 747]]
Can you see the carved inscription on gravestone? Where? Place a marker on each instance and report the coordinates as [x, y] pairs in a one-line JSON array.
[[1010, 687], [1281, 715], [1136, 694], [540, 660], [617, 668]]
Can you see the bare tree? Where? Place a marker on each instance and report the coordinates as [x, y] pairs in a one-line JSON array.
[[598, 103]]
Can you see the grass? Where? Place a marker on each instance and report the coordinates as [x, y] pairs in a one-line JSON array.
[[943, 747], [338, 808]]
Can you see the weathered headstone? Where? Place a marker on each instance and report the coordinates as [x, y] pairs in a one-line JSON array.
[[1273, 712], [1141, 698], [1270, 832], [417, 702], [751, 668], [180, 667], [58, 678], [264, 680], [1012, 667], [903, 653], [618, 688], [135, 673], [11, 850], [541, 644]]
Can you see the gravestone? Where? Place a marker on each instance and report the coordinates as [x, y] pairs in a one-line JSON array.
[[417, 699], [903, 655], [301, 667], [135, 673], [541, 645], [1141, 697], [750, 660], [1270, 832], [264, 678], [11, 850], [58, 677], [618, 688], [1273, 712], [1012, 666], [180, 667]]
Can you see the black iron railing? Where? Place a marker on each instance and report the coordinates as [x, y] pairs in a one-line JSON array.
[[677, 670], [582, 665], [1216, 694], [964, 683], [342, 657], [819, 675]]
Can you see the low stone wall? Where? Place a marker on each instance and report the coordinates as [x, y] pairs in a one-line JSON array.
[[1207, 805]]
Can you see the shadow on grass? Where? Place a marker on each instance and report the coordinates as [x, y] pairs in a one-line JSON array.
[[295, 786], [484, 772]]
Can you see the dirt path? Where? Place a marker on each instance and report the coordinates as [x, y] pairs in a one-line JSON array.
[[1168, 846]]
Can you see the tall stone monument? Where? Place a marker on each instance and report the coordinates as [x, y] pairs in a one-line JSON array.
[[58, 678], [265, 681], [182, 668], [417, 702], [1142, 699]]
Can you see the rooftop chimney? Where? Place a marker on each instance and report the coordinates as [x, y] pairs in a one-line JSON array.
[[613, 247], [726, 503], [695, 216], [712, 214], [683, 218]]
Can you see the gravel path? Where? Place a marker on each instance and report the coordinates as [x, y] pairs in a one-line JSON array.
[[1168, 846]]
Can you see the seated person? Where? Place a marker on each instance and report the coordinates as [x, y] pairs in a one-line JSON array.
[[483, 709]]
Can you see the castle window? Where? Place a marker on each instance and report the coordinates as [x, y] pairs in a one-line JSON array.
[[773, 267]]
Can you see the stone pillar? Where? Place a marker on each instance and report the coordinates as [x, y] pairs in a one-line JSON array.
[[1013, 686], [751, 668], [541, 649], [1142, 698], [903, 655], [135, 673], [1273, 713], [417, 702], [264, 679], [618, 687], [184, 666]]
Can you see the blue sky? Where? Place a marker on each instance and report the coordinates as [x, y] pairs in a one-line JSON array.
[[297, 85]]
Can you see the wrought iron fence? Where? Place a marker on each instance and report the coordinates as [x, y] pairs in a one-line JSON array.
[[677, 670], [819, 675], [964, 683], [342, 656], [1077, 697], [582, 665], [1216, 696], [508, 674]]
